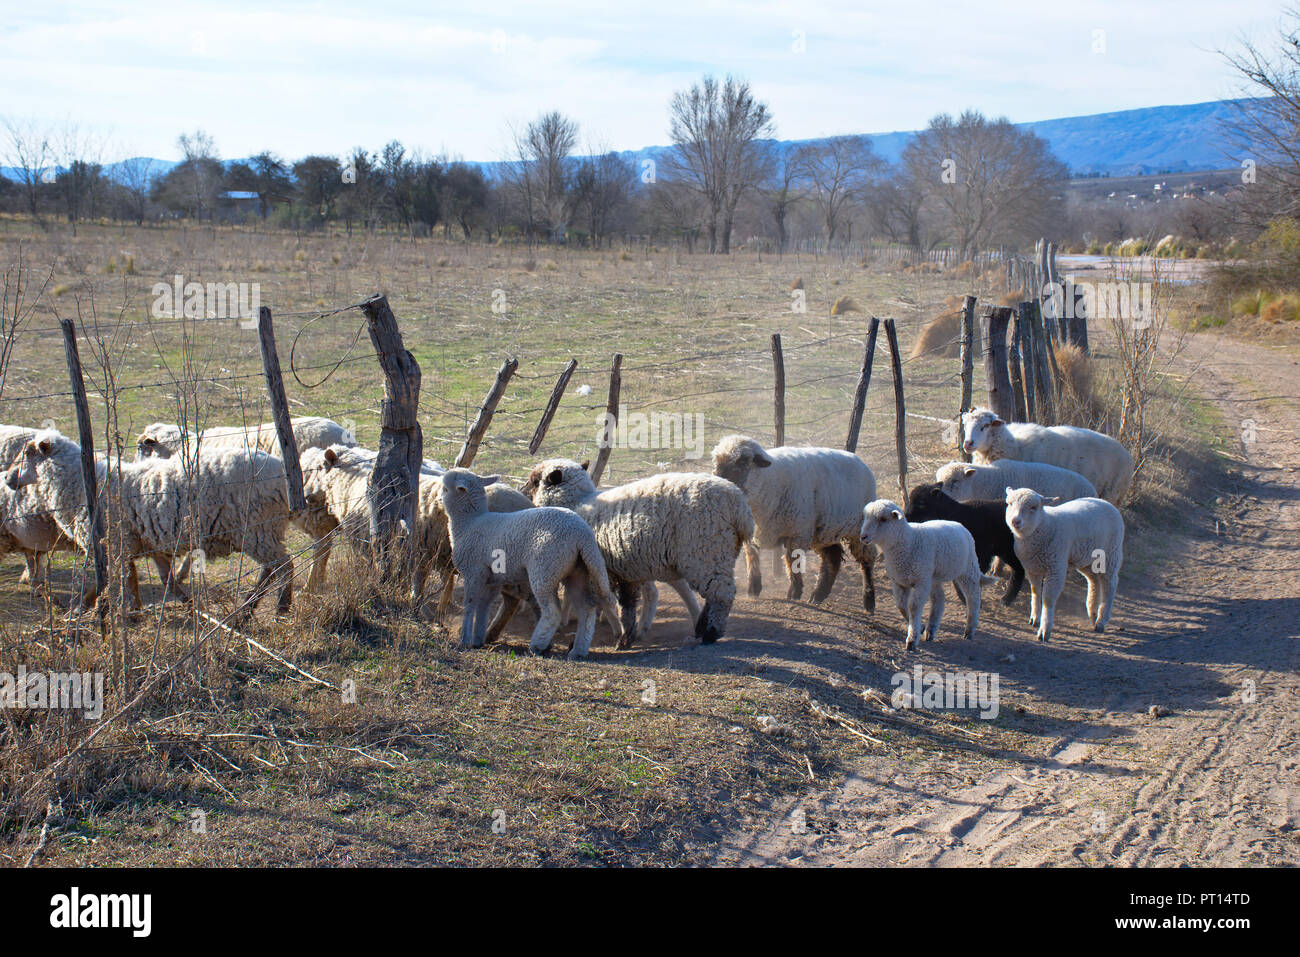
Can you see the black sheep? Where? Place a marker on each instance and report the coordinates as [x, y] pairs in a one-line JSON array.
[[985, 520]]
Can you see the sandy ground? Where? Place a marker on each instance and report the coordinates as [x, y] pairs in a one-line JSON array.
[[1210, 776]]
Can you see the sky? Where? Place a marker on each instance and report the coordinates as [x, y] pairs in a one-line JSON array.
[[326, 76]]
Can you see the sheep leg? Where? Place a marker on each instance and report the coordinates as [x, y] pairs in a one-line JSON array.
[[936, 612], [628, 595], [320, 558], [795, 591], [448, 587], [687, 595], [753, 565], [247, 607], [1052, 587], [916, 596], [482, 606], [1108, 600], [970, 590], [169, 579], [510, 602], [1093, 602], [467, 616], [1017, 580], [832, 556], [547, 624], [1035, 599], [865, 555], [649, 607], [719, 594], [588, 612], [900, 599]]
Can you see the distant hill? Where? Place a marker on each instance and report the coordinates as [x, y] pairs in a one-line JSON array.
[[1155, 139]]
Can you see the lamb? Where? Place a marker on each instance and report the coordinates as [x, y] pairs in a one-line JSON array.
[[966, 481], [984, 519], [802, 499], [1086, 534], [678, 525], [24, 527], [1098, 458], [242, 504], [919, 559], [163, 440], [537, 548]]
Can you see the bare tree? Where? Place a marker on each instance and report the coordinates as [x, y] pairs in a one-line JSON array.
[[987, 181], [135, 176], [602, 187], [716, 130], [840, 170], [1265, 131], [29, 153], [200, 171], [540, 172], [781, 189]]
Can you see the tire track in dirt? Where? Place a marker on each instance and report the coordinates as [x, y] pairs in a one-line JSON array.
[[1209, 778]]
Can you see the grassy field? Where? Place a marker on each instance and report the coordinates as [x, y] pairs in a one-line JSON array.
[[444, 756]]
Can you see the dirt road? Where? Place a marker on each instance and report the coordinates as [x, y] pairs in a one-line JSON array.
[[1172, 739]]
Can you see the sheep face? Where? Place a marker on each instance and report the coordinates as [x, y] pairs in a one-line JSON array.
[[463, 493], [156, 441], [978, 428], [34, 454], [735, 455], [1024, 510], [882, 522], [955, 480], [561, 483]]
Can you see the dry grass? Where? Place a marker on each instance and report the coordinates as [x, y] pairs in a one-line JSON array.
[[941, 336]]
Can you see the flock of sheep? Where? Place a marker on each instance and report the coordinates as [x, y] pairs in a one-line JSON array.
[[1039, 499]]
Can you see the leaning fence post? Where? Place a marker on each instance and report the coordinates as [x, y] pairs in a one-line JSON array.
[[993, 329], [967, 365], [778, 389], [280, 409], [392, 485], [86, 436], [551, 405], [1016, 374], [1043, 366], [611, 418], [1028, 357], [465, 457], [864, 381], [900, 412]]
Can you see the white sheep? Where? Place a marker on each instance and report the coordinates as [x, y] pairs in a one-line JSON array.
[[163, 440], [1098, 458], [919, 559], [24, 527], [237, 501], [1086, 534], [683, 526], [967, 481], [537, 548], [802, 499]]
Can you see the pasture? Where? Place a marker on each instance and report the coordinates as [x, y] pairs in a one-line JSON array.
[[370, 738]]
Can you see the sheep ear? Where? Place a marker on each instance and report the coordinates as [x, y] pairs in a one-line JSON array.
[[554, 477], [895, 515], [968, 471], [995, 423], [491, 479], [586, 465], [1007, 493], [331, 459], [45, 446], [761, 460], [1054, 500]]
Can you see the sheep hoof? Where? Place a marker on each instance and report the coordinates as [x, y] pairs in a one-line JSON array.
[[755, 588], [540, 652], [574, 656], [709, 634], [624, 644], [869, 602]]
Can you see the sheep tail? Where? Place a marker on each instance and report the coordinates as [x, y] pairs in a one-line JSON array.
[[597, 577]]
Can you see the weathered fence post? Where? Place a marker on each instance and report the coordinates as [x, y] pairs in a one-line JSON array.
[[1042, 367], [392, 485], [967, 365], [993, 329], [551, 405], [465, 457], [778, 389], [1028, 357], [280, 410], [611, 418], [1016, 374], [86, 436], [860, 394], [900, 411]]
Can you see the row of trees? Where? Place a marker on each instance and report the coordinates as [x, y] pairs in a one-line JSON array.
[[967, 181]]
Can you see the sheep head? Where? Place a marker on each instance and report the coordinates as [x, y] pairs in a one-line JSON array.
[[735, 456]]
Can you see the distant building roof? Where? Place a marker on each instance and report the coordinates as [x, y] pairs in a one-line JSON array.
[[239, 194]]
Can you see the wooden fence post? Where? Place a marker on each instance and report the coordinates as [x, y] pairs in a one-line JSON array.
[[393, 483], [1028, 357], [993, 329], [864, 381], [611, 417], [967, 365], [86, 436], [778, 389], [280, 410], [465, 457], [551, 405], [1015, 371], [1042, 367], [900, 411]]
